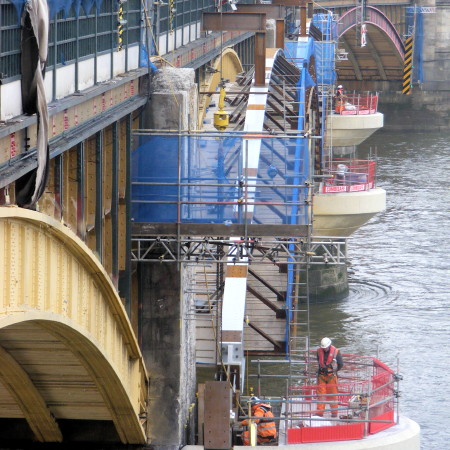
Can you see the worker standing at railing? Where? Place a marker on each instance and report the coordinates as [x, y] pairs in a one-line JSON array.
[[330, 362], [339, 99]]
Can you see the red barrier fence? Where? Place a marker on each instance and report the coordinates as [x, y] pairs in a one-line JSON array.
[[349, 175], [365, 400], [356, 104]]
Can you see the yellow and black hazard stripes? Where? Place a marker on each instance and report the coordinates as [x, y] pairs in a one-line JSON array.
[[120, 23], [408, 66]]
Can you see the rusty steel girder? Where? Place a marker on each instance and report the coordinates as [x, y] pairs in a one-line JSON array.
[[242, 22], [276, 12]]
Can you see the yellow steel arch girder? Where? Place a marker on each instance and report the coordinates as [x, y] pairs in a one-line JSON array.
[[33, 406], [226, 66], [49, 276]]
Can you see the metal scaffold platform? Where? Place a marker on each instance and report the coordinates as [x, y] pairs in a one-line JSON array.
[[251, 250]]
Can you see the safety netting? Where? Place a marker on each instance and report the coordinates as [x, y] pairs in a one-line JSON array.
[[325, 48], [221, 179]]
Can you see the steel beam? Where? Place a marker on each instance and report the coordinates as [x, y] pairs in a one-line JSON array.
[[81, 195], [302, 4], [352, 58], [276, 12], [260, 59], [217, 229], [377, 59], [234, 22], [32, 403], [127, 275], [115, 202], [99, 215], [271, 11], [12, 170], [297, 3], [279, 33], [255, 22], [59, 187]]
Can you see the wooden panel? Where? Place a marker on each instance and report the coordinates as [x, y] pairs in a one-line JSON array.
[[231, 336], [201, 412], [237, 271], [217, 432]]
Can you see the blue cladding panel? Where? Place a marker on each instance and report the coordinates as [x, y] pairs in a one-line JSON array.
[[414, 19]]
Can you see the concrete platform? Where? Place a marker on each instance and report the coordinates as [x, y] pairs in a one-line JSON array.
[[343, 213], [404, 436], [349, 130]]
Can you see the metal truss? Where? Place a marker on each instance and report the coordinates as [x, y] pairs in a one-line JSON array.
[[243, 251]]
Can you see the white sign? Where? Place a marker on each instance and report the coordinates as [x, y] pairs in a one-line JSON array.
[[426, 9]]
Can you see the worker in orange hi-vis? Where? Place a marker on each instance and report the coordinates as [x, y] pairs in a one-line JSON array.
[[339, 100], [330, 362], [263, 417]]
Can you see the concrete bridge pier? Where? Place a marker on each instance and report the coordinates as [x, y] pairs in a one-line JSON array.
[[166, 334], [167, 340]]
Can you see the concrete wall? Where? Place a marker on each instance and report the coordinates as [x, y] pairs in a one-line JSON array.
[[432, 97], [327, 282], [168, 346], [407, 112]]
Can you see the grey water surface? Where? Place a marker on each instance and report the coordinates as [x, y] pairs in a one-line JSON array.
[[399, 277], [399, 301]]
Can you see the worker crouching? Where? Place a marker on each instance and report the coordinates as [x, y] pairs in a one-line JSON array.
[[263, 417], [330, 362]]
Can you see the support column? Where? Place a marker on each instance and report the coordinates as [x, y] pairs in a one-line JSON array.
[[168, 346], [166, 324], [173, 98]]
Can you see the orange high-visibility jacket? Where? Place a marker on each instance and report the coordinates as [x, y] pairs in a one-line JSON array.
[[332, 354], [266, 425]]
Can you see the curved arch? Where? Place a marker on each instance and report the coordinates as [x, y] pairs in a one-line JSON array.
[[29, 400], [226, 66], [374, 17], [56, 289]]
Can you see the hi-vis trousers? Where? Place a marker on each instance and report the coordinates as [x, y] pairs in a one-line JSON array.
[[327, 384]]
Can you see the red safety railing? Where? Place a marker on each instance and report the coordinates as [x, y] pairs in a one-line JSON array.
[[365, 404], [349, 175], [356, 104]]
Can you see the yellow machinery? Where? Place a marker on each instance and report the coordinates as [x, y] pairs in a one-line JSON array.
[[221, 117]]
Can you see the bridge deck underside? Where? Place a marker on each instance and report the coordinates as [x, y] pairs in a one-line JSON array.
[[67, 349], [56, 370], [378, 60]]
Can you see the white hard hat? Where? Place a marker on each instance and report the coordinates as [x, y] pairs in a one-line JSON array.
[[255, 400], [340, 86], [325, 342]]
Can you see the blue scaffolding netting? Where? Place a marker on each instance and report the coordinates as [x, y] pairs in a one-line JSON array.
[[205, 180]]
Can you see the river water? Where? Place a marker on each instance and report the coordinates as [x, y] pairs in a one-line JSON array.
[[398, 307], [399, 276]]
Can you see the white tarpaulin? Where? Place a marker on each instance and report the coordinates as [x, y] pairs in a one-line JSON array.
[[35, 25]]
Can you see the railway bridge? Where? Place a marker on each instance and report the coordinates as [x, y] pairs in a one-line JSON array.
[[70, 359], [77, 317]]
